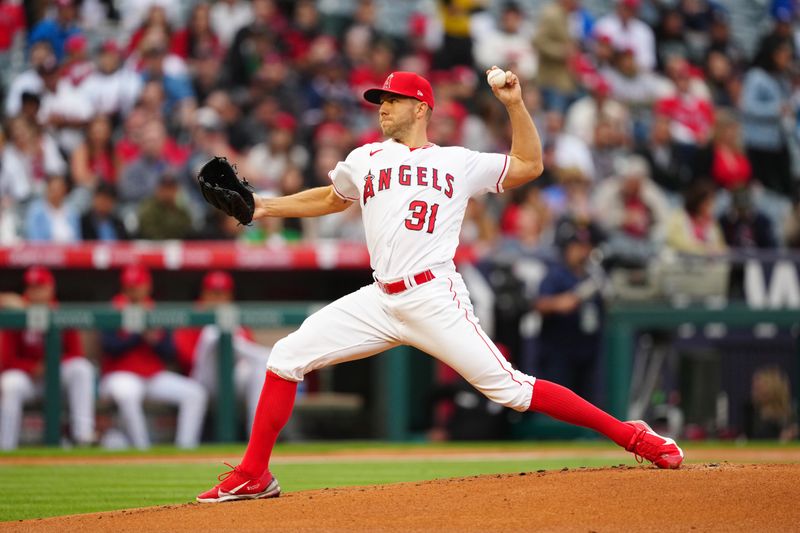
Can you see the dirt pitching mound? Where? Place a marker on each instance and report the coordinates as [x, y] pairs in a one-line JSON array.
[[701, 497]]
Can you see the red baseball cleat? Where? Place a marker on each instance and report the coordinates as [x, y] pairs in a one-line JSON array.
[[235, 485], [647, 444]]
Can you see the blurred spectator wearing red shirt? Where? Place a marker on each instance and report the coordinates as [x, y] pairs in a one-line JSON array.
[[135, 369], [155, 20], [94, 161], [198, 348], [725, 160], [22, 369], [77, 65], [198, 35], [692, 116]]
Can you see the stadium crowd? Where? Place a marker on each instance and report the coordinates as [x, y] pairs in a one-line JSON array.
[[660, 130], [658, 126]]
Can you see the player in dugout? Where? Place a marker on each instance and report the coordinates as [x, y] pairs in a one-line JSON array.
[[22, 367], [413, 195], [197, 347], [135, 369]]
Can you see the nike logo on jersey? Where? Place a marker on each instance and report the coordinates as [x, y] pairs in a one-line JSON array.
[[373, 152]]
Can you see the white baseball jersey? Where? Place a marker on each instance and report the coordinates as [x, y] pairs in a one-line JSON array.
[[413, 200], [413, 203]]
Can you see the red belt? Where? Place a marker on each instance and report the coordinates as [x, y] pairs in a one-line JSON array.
[[400, 285]]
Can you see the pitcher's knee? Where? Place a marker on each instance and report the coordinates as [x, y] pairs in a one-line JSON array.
[[283, 361], [516, 394]]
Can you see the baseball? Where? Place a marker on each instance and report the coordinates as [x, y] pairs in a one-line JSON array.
[[496, 77]]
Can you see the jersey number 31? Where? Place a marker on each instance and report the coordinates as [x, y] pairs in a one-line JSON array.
[[419, 212]]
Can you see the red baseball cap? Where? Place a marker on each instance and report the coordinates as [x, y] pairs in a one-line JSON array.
[[402, 83], [135, 276], [38, 275], [217, 280]]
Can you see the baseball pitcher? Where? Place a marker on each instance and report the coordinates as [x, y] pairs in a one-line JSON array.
[[413, 195]]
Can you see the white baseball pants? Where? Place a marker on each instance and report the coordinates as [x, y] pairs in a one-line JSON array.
[[248, 372], [129, 391], [435, 317], [17, 388]]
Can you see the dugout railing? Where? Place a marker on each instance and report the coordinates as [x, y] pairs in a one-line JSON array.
[[393, 374]]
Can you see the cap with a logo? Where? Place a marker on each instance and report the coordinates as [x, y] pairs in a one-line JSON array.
[[37, 276], [217, 280], [402, 83], [135, 276]]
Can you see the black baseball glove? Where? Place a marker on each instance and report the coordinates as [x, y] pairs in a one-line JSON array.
[[222, 188]]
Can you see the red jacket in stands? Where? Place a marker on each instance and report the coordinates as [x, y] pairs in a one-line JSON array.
[[24, 350], [130, 352], [186, 344]]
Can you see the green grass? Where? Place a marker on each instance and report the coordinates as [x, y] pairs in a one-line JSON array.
[[37, 491]]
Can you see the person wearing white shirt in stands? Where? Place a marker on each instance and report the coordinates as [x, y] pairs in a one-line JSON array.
[[627, 31]]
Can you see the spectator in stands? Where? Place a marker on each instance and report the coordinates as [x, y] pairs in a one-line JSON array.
[[479, 229], [76, 66], [255, 42], [555, 46], [22, 369], [745, 227], [568, 150], [64, 109], [113, 87], [231, 116], [670, 36], [155, 22], [571, 305], [100, 222], [12, 24], [207, 73], [94, 161], [570, 195], [28, 158], [172, 76], [723, 82], [770, 414], [765, 109], [633, 212], [725, 160], [163, 216], [139, 178], [135, 369], [198, 35], [584, 114], [302, 33], [670, 169], [722, 41], [57, 30], [628, 32], [693, 229], [51, 218], [636, 88], [609, 147], [228, 17], [30, 80], [270, 160], [791, 226], [456, 48], [691, 116], [198, 348], [508, 44]]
